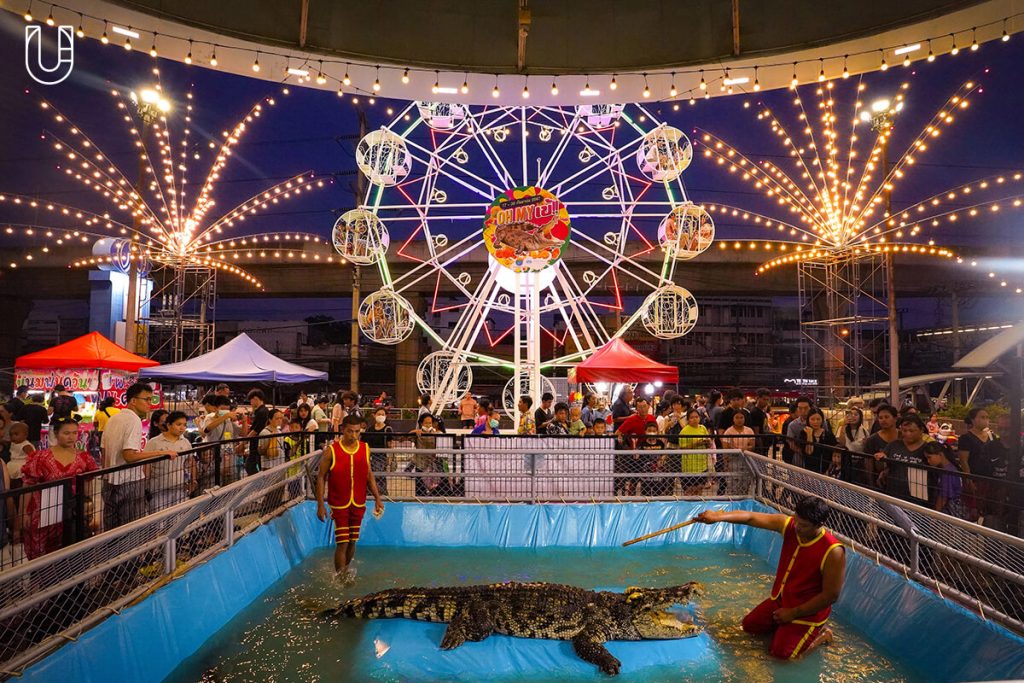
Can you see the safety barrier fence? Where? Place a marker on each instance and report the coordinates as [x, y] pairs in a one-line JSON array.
[[980, 568], [997, 502], [55, 597], [42, 517]]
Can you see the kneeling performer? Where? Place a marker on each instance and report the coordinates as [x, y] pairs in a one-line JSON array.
[[808, 581]]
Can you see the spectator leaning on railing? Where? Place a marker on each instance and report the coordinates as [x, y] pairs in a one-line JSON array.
[[170, 482], [123, 490]]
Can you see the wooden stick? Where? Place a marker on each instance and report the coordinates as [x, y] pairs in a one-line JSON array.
[[659, 533]]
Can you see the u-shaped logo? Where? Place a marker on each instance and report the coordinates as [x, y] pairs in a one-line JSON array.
[[40, 73]]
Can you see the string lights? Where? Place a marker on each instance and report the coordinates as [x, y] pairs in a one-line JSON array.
[[835, 198], [164, 221], [996, 29]]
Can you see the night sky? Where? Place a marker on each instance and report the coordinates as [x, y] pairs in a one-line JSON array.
[[315, 130]]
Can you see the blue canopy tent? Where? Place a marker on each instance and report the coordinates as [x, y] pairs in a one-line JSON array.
[[240, 360]]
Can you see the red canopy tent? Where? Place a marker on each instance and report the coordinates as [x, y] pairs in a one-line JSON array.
[[617, 361], [92, 350]]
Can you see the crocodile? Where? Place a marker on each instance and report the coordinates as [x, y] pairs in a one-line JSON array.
[[587, 618]]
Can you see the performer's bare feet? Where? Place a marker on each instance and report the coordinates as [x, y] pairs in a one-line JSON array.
[[823, 638]]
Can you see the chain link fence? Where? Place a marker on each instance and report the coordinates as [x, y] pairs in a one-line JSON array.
[[55, 597], [980, 568]]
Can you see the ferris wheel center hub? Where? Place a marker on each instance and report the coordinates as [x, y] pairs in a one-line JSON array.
[[527, 229]]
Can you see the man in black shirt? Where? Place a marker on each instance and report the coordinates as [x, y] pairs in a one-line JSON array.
[[63, 404], [737, 401], [622, 408], [17, 404], [260, 417], [543, 415], [34, 415], [758, 420]]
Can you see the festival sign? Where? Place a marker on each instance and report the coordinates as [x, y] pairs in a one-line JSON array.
[[527, 229]]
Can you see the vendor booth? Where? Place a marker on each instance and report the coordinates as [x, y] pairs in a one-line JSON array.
[[91, 367], [241, 360]]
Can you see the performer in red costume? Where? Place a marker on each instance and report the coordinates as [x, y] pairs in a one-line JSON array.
[[345, 470], [808, 581]]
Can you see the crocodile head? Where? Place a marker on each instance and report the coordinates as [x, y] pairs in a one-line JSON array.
[[651, 615]]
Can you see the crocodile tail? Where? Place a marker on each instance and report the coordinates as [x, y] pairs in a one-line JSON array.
[[373, 606]]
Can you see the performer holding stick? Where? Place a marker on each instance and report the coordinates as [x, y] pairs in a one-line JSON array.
[[808, 581]]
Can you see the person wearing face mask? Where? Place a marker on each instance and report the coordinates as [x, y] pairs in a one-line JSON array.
[[378, 436]]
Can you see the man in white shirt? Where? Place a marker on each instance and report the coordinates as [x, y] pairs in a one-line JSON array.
[[124, 490]]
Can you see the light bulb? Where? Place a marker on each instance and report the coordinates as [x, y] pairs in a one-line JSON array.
[[703, 84], [80, 32], [554, 88], [434, 88], [647, 91], [405, 77], [954, 50], [376, 85], [213, 58], [345, 79], [256, 64], [757, 84], [188, 57], [28, 14], [127, 43], [104, 39], [821, 75], [465, 87], [883, 66], [49, 19], [495, 92], [672, 92], [613, 85], [1006, 36], [152, 50], [340, 93], [526, 92]]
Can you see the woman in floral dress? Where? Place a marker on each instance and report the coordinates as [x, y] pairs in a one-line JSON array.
[[60, 461]]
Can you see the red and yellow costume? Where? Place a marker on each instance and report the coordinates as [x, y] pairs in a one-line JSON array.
[[797, 580], [346, 489]]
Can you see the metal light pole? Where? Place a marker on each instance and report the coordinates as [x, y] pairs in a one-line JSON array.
[[882, 115], [150, 104]]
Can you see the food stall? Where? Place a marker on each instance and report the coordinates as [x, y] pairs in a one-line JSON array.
[[92, 368]]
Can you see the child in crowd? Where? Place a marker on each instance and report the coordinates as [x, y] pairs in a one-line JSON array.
[[21, 448], [655, 463], [576, 426], [170, 482], [948, 487], [559, 426], [600, 428]]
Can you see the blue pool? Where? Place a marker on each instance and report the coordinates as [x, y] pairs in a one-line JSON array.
[[251, 613]]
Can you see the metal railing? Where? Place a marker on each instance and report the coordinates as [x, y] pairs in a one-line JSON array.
[[59, 595], [50, 515], [53, 598], [979, 568]]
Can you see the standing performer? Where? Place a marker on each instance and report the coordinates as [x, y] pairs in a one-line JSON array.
[[808, 581], [345, 471]]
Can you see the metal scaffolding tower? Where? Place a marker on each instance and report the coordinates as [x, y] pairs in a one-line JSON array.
[[843, 320]]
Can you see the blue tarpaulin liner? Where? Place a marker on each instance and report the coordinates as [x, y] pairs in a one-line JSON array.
[[937, 639], [240, 360]]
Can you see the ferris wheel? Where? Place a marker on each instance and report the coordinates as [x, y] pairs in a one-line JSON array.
[[559, 205]]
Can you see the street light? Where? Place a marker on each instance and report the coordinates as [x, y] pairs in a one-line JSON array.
[[881, 116], [150, 104]]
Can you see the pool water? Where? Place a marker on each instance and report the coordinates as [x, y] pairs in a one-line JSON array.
[[280, 637]]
